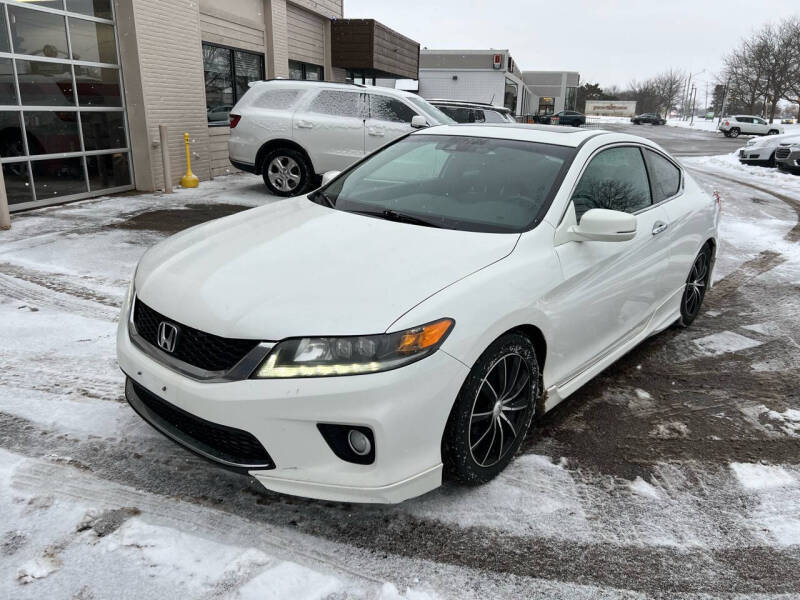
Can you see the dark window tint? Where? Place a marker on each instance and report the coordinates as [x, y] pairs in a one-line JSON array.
[[98, 86], [10, 135], [7, 93], [665, 177], [52, 132], [615, 179], [58, 177], [45, 83], [334, 102], [480, 116], [18, 185], [108, 170], [103, 130], [38, 33], [4, 45], [92, 42], [95, 8], [385, 108], [305, 71], [277, 99], [458, 113]]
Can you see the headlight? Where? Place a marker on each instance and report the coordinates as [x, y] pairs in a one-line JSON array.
[[353, 355]]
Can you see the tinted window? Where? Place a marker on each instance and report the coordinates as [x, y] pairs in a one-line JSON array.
[[458, 113], [456, 182], [334, 102], [479, 116], [92, 42], [615, 179], [664, 176], [385, 108]]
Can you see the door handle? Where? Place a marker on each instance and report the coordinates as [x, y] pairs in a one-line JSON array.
[[376, 132], [305, 124], [659, 227]]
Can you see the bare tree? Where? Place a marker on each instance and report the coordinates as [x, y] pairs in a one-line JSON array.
[[669, 85]]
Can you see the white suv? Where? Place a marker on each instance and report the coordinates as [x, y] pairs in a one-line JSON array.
[[290, 131], [747, 124]]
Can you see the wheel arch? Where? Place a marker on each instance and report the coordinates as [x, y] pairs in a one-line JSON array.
[[535, 335], [280, 143]]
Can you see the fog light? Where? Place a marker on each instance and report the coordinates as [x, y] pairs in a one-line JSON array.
[[359, 443]]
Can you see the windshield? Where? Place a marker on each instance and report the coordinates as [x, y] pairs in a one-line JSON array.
[[431, 111], [454, 182]]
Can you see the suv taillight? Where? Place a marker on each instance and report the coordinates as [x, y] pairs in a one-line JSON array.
[[235, 120], [726, 123]]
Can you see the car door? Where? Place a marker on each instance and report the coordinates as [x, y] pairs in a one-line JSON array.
[[760, 126], [331, 129], [610, 289], [389, 118]]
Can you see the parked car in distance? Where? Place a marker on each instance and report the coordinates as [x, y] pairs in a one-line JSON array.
[[761, 150], [406, 321], [787, 121], [736, 125], [565, 117], [289, 132], [651, 118], [787, 157], [473, 112]]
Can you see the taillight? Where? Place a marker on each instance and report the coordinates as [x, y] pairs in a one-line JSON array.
[[726, 123], [235, 120], [717, 199]]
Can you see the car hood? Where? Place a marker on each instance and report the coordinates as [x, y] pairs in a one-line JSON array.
[[296, 268]]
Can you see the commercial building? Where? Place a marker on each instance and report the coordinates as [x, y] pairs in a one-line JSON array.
[[552, 91], [86, 83], [474, 75]]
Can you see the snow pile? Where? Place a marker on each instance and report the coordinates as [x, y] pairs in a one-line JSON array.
[[724, 342], [728, 164], [776, 516]]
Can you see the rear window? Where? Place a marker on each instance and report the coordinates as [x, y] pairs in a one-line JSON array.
[[277, 99]]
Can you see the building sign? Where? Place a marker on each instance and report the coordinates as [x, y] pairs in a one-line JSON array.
[[611, 108], [497, 62]]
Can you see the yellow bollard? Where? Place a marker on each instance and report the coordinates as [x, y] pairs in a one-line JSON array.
[[189, 180]]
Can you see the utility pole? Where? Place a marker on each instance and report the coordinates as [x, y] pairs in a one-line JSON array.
[[694, 100], [724, 100]]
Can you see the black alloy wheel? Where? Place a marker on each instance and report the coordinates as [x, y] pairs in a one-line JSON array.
[[492, 412], [696, 285]]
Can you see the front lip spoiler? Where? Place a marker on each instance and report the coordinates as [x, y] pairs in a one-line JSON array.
[[177, 436]]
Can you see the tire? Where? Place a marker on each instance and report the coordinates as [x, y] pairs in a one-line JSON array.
[[637, 122], [771, 162], [772, 132], [498, 398], [734, 132], [696, 285], [286, 172]]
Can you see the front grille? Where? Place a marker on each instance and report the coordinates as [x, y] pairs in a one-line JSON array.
[[228, 445], [782, 152], [197, 348]]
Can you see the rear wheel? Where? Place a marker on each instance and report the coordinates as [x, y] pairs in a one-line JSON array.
[[286, 172], [772, 132], [492, 412], [734, 132], [696, 285]]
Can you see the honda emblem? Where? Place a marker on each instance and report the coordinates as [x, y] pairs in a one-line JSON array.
[[167, 336]]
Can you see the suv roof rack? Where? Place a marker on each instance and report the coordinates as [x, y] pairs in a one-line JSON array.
[[286, 79], [450, 101]]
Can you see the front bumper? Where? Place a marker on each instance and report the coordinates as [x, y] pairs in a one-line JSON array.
[[406, 409]]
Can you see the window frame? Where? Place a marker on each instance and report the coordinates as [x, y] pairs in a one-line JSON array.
[[370, 94], [303, 66], [232, 57], [681, 178]]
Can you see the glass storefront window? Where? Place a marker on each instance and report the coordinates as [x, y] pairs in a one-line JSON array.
[[45, 83], [57, 4], [8, 94], [4, 45], [38, 33], [18, 185], [305, 71], [58, 177], [10, 135], [52, 132], [92, 42], [227, 73], [98, 86], [103, 130], [96, 8], [108, 170]]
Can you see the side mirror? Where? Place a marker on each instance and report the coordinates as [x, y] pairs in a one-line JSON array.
[[602, 225], [329, 176], [419, 122]]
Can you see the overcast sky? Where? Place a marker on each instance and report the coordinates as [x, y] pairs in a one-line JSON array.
[[610, 41]]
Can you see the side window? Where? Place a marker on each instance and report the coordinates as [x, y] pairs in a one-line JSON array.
[[664, 176], [479, 116], [277, 99], [615, 179], [335, 102], [760, 121], [494, 117], [385, 108]]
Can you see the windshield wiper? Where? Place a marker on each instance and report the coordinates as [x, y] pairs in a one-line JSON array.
[[393, 215]]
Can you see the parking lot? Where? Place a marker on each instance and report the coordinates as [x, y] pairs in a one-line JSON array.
[[675, 472]]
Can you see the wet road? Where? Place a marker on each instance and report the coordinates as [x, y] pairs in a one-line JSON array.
[[682, 141]]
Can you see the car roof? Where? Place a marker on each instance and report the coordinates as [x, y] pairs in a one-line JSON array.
[[545, 134], [466, 103], [302, 83]]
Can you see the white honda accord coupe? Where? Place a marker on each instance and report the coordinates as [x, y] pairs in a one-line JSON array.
[[406, 321]]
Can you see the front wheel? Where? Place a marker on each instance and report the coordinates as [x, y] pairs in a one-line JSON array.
[[286, 172], [696, 285], [492, 412], [772, 132], [734, 133]]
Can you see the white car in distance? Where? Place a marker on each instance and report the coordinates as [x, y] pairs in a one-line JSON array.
[[736, 125], [407, 320], [291, 131], [761, 150]]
